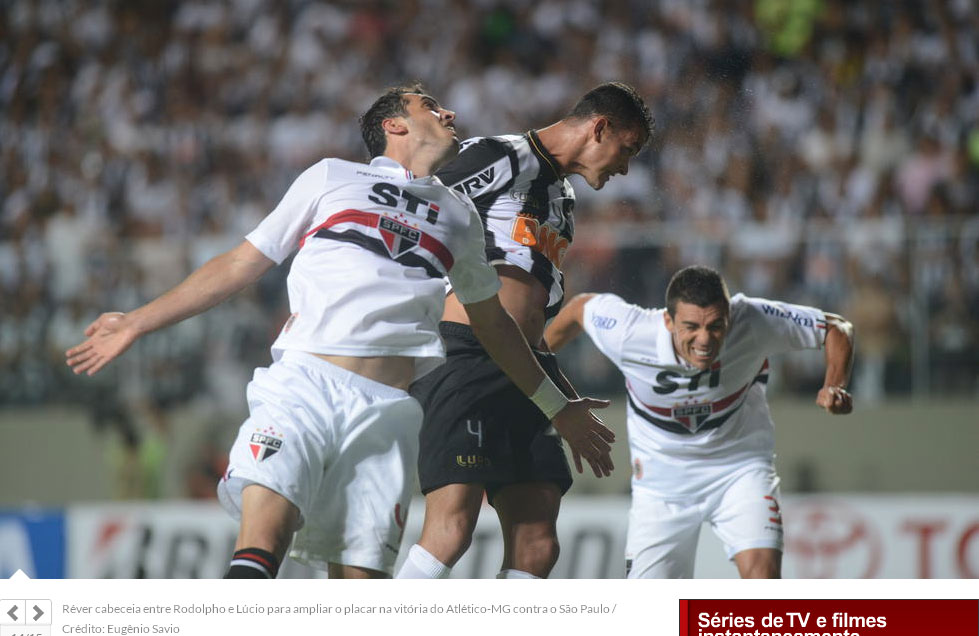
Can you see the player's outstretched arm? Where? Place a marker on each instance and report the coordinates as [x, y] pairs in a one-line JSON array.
[[112, 333], [839, 361], [568, 324], [573, 419]]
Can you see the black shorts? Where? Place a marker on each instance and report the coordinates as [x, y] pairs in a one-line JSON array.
[[479, 427]]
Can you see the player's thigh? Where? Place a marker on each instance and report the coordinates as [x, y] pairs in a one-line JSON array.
[[759, 563], [661, 542], [528, 508], [362, 507], [747, 515], [287, 439]]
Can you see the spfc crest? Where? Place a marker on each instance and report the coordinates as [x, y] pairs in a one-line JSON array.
[[265, 443], [398, 237], [691, 415]]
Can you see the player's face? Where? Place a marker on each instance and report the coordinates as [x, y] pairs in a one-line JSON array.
[[698, 332], [431, 124], [609, 153]]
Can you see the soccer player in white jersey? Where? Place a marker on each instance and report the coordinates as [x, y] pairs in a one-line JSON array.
[[329, 450], [700, 434], [480, 434]]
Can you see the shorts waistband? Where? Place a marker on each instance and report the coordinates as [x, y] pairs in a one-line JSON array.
[[340, 374], [465, 333], [459, 330]]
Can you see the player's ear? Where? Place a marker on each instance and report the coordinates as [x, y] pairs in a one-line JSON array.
[[599, 128], [668, 321], [395, 126]]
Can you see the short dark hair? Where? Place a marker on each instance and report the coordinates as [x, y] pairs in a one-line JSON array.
[[620, 103], [696, 285], [391, 104]]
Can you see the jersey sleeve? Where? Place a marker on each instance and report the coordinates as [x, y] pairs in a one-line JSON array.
[[607, 319], [779, 327], [472, 278], [279, 233], [483, 169]]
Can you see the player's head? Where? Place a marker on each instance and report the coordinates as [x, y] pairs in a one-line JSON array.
[[618, 124], [409, 114], [697, 314]]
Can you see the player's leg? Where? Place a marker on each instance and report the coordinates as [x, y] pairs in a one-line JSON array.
[[451, 513], [748, 520], [759, 563], [340, 571], [355, 522], [529, 499], [268, 521], [528, 517], [462, 446], [661, 542]]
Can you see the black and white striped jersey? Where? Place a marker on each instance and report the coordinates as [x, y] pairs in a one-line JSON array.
[[526, 206]]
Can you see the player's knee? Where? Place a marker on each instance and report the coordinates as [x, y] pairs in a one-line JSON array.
[[450, 538], [537, 553]]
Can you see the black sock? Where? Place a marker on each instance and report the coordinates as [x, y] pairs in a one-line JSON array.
[[253, 563]]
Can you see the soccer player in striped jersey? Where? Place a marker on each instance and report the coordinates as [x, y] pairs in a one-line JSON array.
[[480, 434], [330, 447], [700, 434]]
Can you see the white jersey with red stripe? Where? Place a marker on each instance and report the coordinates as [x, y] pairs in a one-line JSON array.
[[375, 244], [687, 427]]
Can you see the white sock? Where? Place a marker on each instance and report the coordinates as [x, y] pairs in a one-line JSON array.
[[515, 574], [420, 564]]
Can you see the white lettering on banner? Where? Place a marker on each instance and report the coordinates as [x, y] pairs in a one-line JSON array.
[[856, 536]]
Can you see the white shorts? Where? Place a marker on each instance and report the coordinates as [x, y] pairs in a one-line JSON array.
[[744, 512], [341, 447]]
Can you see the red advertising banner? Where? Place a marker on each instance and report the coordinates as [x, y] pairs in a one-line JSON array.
[[844, 617]]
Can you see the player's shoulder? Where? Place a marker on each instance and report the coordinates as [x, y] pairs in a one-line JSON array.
[[495, 148], [336, 169], [610, 310], [755, 309]]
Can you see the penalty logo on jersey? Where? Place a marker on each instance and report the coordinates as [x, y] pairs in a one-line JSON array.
[[265, 443], [398, 237]]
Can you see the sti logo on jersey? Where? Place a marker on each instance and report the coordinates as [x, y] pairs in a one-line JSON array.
[[691, 415], [265, 443], [398, 238]]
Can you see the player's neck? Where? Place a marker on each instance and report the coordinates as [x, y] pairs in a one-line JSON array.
[[421, 161], [561, 141]]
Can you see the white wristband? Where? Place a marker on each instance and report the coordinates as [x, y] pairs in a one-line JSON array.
[[549, 398]]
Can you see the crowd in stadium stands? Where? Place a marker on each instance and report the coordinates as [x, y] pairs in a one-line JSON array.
[[825, 152]]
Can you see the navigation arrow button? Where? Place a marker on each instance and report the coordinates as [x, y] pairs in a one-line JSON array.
[[13, 612]]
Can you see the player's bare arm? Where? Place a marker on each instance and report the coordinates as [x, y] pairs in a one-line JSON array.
[[568, 324], [503, 340], [111, 334], [834, 397]]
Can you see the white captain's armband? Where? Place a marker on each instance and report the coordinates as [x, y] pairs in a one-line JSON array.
[[549, 398]]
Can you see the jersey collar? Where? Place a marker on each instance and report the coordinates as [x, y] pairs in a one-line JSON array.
[[543, 155], [382, 161]]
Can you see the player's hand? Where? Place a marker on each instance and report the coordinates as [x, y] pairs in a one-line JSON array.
[[108, 337], [586, 435], [835, 400]]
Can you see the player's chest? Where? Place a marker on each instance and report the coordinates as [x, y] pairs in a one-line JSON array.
[[399, 214], [669, 384], [539, 217]]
